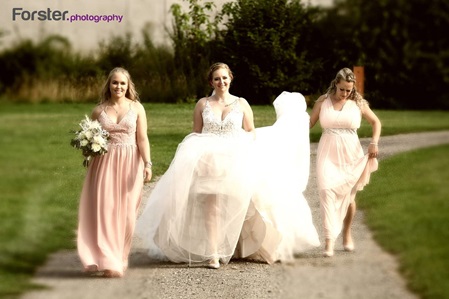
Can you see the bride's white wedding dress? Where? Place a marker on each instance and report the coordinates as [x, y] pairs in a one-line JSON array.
[[226, 194]]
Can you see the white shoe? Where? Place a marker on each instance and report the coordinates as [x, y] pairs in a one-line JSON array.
[[214, 263], [349, 247], [329, 253]]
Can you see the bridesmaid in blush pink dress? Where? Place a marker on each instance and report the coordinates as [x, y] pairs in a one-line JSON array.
[[342, 167], [112, 188]]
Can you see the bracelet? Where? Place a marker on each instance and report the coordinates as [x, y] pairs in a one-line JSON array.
[[148, 164], [373, 143]]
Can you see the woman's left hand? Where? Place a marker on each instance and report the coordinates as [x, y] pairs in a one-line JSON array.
[[373, 150], [147, 173]]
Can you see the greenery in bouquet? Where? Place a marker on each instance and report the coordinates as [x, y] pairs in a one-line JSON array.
[[91, 139]]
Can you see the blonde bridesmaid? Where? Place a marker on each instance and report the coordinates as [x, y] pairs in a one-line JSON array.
[[342, 166], [112, 188]]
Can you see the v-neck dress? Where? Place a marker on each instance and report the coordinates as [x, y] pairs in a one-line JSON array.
[[224, 175], [342, 166], [110, 198]]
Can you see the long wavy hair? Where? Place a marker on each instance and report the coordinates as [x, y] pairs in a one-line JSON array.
[[345, 74], [131, 92]]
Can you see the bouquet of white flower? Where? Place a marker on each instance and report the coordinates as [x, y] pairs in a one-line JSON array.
[[92, 139]]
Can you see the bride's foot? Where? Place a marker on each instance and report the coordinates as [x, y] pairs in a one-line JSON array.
[[348, 247], [214, 263], [348, 243], [112, 274], [329, 248], [328, 253]]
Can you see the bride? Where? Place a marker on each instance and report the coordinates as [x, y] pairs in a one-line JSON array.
[[233, 190]]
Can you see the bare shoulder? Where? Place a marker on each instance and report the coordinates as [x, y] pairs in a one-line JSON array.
[[364, 106], [201, 103], [364, 103], [137, 105], [321, 98], [97, 111], [243, 102], [245, 107], [319, 102], [138, 108]]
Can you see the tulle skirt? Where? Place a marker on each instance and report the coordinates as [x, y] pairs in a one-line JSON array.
[[224, 197]]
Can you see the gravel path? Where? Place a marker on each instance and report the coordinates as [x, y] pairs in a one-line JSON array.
[[367, 273]]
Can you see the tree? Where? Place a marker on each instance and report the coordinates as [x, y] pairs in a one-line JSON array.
[[193, 32], [267, 44], [412, 51], [404, 48], [337, 40]]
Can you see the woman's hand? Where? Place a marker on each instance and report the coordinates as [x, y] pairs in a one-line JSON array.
[[373, 150], [147, 173]]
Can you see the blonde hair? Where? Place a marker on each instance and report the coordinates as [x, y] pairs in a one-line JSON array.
[[345, 74], [131, 92]]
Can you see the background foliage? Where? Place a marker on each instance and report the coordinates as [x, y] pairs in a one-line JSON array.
[[271, 45], [401, 44]]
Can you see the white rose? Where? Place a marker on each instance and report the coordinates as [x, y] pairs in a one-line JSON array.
[[84, 142], [96, 147], [98, 139], [95, 124], [88, 134]]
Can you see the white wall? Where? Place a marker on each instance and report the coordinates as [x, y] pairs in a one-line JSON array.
[[85, 35]]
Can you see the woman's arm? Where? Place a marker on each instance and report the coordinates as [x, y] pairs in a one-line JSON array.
[[248, 117], [198, 117], [376, 125], [96, 112], [142, 139], [315, 114]]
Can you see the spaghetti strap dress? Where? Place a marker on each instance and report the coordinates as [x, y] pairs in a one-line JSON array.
[[110, 198]]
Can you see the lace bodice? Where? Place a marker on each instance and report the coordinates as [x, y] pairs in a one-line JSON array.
[[230, 126], [122, 133]]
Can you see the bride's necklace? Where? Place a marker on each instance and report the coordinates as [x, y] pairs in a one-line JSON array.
[[224, 102]]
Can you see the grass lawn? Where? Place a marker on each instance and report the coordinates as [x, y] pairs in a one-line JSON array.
[[407, 208], [41, 175]]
